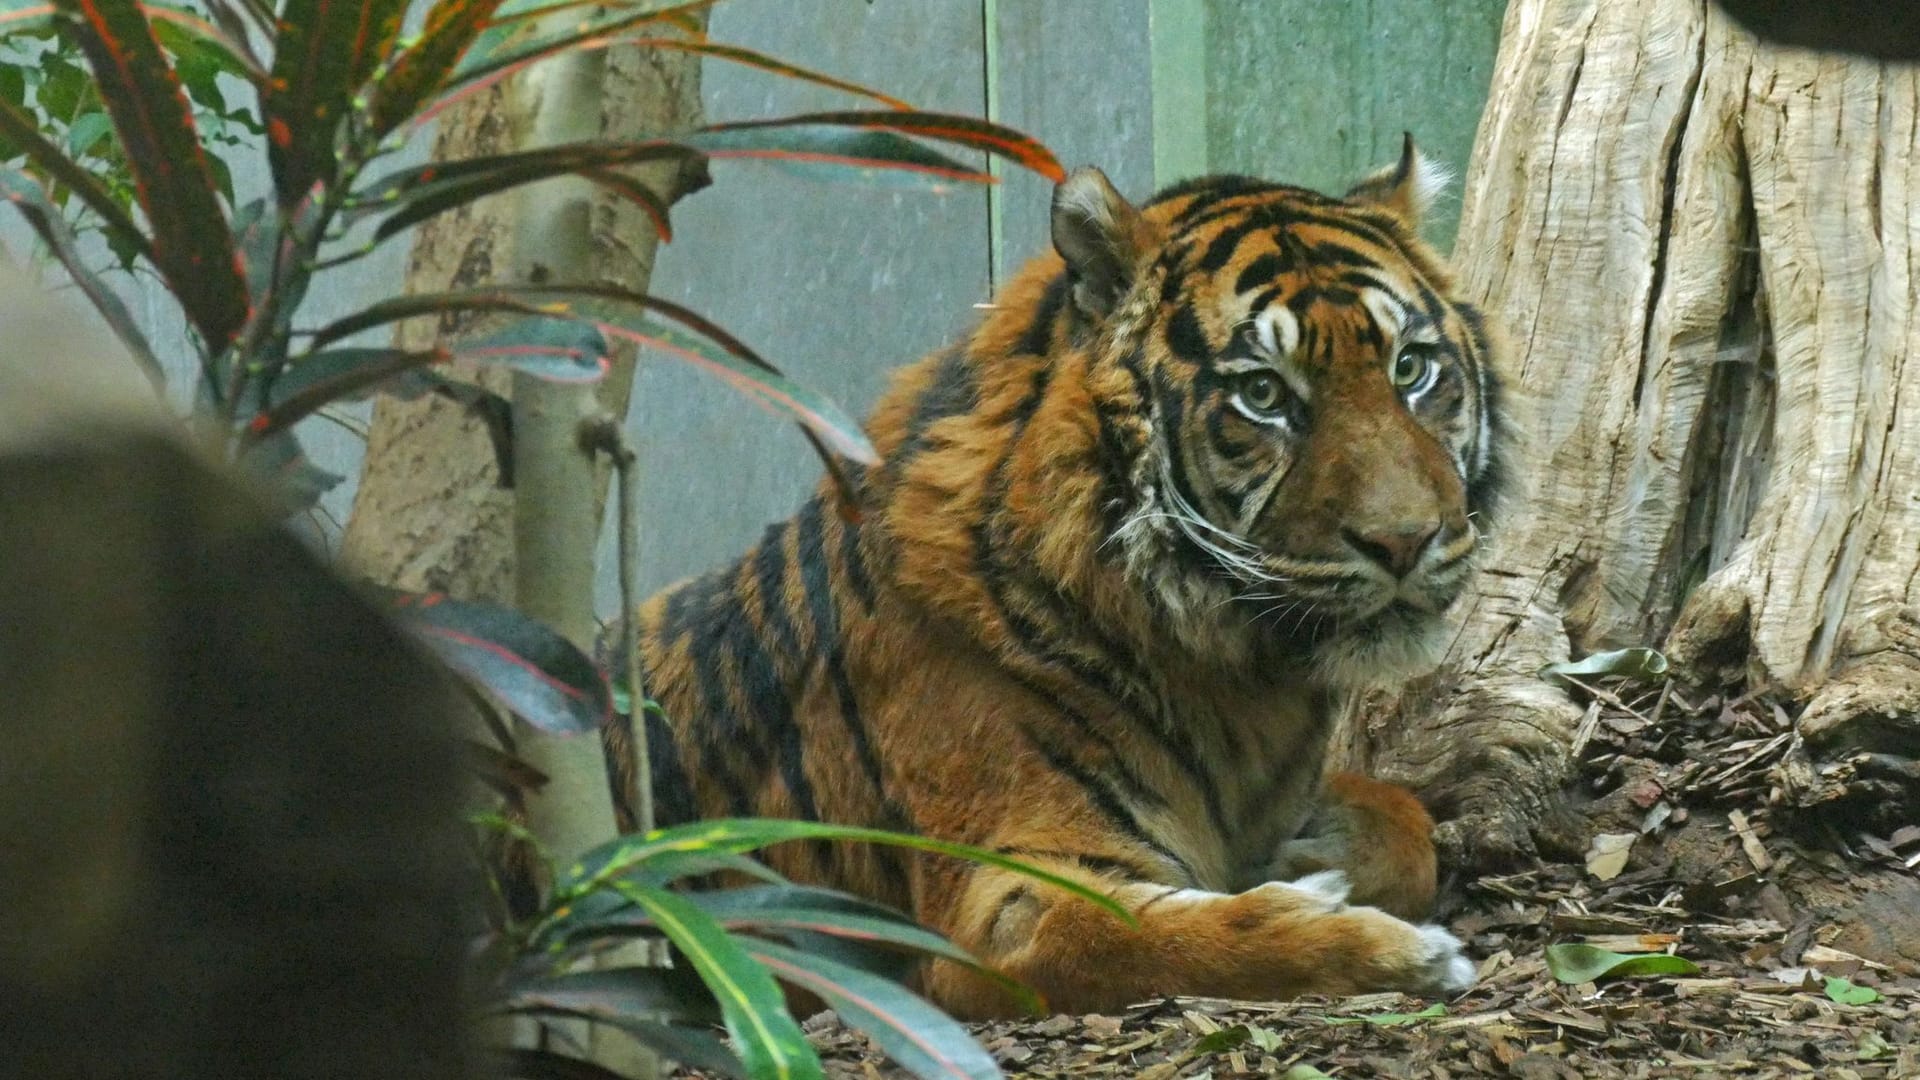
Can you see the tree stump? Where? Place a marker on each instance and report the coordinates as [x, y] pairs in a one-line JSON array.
[[1701, 248]]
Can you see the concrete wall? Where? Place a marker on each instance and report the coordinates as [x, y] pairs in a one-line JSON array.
[[841, 283]]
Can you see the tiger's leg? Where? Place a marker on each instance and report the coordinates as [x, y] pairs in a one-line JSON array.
[[1378, 834], [1277, 940]]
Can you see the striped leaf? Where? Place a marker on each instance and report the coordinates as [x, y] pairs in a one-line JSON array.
[[740, 835], [192, 245], [765, 1034], [922, 1039], [324, 52]]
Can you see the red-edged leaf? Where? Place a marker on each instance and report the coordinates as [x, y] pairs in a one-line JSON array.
[[613, 993], [618, 312], [311, 383], [46, 220], [555, 348], [971, 132], [921, 1038], [324, 52], [515, 31], [283, 466], [29, 17], [419, 71], [823, 151], [770, 390], [413, 195], [192, 245], [538, 675], [490, 72]]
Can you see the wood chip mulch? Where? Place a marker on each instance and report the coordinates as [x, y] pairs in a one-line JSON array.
[[1655, 763]]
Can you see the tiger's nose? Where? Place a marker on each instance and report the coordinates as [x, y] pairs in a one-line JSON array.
[[1396, 549]]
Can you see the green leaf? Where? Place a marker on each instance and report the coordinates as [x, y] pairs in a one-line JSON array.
[[613, 993], [86, 131], [1575, 963], [192, 245], [537, 674], [324, 53], [1846, 993], [1222, 1040], [1304, 1072], [1392, 1019], [1636, 663], [23, 132], [921, 1038], [46, 221], [765, 1034], [741, 835]]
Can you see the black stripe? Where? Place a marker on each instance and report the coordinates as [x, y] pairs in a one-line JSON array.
[[764, 697], [1186, 338], [1329, 251], [853, 565], [826, 635], [1221, 248], [1038, 338], [1099, 864], [770, 575], [952, 391], [673, 797], [1262, 269], [1104, 798]]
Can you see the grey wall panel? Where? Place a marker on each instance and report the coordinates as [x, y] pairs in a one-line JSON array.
[[839, 283], [1317, 93], [1075, 74]]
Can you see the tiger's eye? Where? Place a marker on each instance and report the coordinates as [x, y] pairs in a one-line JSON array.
[[1261, 391], [1411, 368]]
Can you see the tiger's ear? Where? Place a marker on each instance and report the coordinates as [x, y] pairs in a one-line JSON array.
[[1100, 235], [1408, 188]]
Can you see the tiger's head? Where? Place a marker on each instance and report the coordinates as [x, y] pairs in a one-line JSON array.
[[1309, 413]]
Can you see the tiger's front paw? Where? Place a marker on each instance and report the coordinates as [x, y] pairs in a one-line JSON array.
[[1445, 967]]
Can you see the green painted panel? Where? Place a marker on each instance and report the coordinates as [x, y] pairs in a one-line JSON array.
[[1316, 93]]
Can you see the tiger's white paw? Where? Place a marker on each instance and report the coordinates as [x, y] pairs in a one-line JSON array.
[[1324, 892], [1446, 968]]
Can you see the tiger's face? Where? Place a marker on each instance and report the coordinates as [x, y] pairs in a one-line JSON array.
[[1320, 413]]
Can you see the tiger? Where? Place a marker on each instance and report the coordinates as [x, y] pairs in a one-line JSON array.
[[1198, 473]]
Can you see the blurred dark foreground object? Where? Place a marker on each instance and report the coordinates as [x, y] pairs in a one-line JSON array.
[[229, 794], [1882, 29]]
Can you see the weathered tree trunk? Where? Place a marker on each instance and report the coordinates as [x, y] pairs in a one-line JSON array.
[[1701, 248], [429, 513]]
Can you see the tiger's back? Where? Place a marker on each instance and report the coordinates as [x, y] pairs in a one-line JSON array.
[[1125, 547]]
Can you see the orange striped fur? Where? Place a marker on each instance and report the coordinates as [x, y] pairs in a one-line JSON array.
[[1203, 469]]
